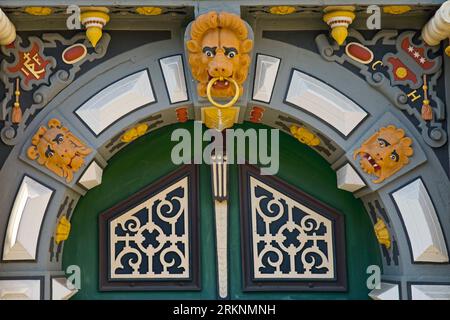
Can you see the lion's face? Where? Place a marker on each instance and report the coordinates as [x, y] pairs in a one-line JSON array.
[[58, 149], [219, 49], [385, 152]]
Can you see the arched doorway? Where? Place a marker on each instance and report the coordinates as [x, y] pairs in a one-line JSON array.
[[415, 262], [148, 159]]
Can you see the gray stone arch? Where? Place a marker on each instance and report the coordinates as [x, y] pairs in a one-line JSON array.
[[398, 277]]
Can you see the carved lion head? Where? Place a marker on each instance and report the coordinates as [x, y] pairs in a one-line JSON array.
[[385, 152], [58, 149], [219, 48]]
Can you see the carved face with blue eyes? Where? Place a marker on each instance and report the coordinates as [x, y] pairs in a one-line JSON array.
[[58, 149], [384, 153]]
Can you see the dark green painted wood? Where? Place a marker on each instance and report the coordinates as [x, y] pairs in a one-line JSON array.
[[148, 159], [137, 165], [307, 170]]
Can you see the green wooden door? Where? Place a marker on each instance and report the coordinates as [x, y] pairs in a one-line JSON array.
[[148, 159], [141, 163], [303, 168]]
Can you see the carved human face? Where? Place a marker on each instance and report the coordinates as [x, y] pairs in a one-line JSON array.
[[384, 153]]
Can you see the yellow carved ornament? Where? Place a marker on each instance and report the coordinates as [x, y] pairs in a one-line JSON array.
[[384, 153], [62, 230], [39, 11], [382, 233], [228, 104], [94, 21], [58, 149], [282, 10], [134, 133], [305, 136], [219, 118], [396, 9], [149, 11], [401, 72], [339, 21], [219, 47]]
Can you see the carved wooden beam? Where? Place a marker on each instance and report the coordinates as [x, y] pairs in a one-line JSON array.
[[7, 30], [220, 190], [438, 28]]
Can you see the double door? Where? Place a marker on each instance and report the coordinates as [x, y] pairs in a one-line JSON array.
[[154, 230]]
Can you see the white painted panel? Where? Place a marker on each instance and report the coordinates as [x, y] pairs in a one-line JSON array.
[[23, 289], [430, 292], [221, 218], [25, 220], [387, 291], [324, 102], [265, 75], [61, 290], [92, 177], [116, 101], [173, 72], [421, 222], [348, 179]]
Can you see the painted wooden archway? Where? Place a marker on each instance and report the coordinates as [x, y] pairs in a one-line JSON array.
[[151, 84]]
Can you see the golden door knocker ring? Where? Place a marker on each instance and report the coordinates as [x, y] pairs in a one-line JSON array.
[[226, 105]]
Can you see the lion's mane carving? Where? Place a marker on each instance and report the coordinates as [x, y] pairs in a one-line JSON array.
[[58, 149], [219, 48], [385, 152]]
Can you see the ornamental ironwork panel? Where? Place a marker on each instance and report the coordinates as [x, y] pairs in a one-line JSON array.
[[291, 240], [150, 241]]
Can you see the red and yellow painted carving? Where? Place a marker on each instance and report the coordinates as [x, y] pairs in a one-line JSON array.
[[385, 152], [58, 149], [219, 50], [31, 64]]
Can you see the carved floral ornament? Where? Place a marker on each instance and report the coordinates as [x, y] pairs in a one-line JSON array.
[[58, 149], [134, 133], [305, 136], [385, 152]]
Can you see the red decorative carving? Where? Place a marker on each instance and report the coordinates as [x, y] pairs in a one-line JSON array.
[[417, 54], [359, 53], [396, 65], [256, 114], [74, 53], [182, 114], [31, 64]]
